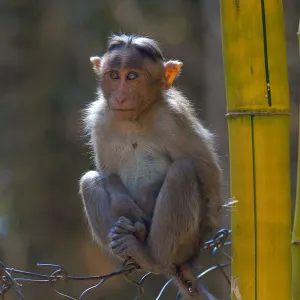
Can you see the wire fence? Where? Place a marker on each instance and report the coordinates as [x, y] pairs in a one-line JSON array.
[[12, 280]]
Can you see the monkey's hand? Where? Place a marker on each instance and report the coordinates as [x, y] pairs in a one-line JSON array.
[[124, 226], [140, 231], [125, 229], [125, 243]]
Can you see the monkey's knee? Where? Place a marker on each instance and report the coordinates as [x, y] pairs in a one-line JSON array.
[[89, 182]]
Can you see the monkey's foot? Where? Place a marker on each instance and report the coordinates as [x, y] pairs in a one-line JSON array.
[[186, 279]]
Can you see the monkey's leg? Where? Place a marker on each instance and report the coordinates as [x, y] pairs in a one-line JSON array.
[[146, 197], [175, 230], [175, 233], [105, 200]]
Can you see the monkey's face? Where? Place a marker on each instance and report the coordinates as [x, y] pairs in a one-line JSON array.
[[130, 83]]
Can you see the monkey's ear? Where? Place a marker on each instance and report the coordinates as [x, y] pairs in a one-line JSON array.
[[171, 69], [96, 61]]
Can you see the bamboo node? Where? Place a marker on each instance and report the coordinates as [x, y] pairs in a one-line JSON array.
[[296, 242], [255, 113], [237, 4]]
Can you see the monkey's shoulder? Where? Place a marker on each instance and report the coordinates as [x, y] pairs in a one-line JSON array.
[[177, 118], [178, 104], [94, 115]]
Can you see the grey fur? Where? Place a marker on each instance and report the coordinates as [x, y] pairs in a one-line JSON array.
[[166, 145]]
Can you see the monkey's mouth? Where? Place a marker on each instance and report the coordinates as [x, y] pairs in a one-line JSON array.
[[122, 109]]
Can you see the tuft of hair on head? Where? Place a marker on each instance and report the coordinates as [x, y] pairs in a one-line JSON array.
[[146, 46]]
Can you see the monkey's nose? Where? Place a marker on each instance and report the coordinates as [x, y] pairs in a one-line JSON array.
[[121, 99]]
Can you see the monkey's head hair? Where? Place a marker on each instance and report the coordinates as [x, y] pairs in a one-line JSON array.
[[147, 47]]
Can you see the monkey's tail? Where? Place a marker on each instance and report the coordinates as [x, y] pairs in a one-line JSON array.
[[190, 287]]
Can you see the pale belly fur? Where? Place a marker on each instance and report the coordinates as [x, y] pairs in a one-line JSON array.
[[139, 164]]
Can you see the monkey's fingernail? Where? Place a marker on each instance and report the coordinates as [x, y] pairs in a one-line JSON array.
[[123, 224], [113, 244], [124, 219], [114, 230], [115, 234]]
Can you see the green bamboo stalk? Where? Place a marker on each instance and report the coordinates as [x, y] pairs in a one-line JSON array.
[[258, 123], [296, 232]]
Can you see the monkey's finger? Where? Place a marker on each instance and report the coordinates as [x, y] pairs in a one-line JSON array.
[[117, 244], [139, 227], [140, 231], [124, 220], [115, 236], [123, 229], [118, 239], [121, 251], [125, 226], [126, 239]]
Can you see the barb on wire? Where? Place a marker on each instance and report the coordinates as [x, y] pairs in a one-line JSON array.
[[12, 280]]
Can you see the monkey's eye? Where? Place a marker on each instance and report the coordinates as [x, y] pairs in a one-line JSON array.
[[114, 75], [132, 76]]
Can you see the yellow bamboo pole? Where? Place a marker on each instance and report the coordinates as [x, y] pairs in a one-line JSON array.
[[296, 232], [258, 122]]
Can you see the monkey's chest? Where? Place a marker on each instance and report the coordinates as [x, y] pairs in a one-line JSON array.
[[140, 164]]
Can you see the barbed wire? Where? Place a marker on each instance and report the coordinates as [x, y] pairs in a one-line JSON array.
[[9, 282]]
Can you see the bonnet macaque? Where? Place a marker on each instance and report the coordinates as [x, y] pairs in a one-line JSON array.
[[155, 193]]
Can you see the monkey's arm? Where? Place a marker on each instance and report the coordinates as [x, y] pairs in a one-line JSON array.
[[192, 141], [105, 200]]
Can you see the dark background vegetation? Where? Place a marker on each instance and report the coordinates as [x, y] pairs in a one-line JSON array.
[[46, 80]]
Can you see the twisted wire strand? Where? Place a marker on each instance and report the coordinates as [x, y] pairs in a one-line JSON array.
[[12, 280]]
